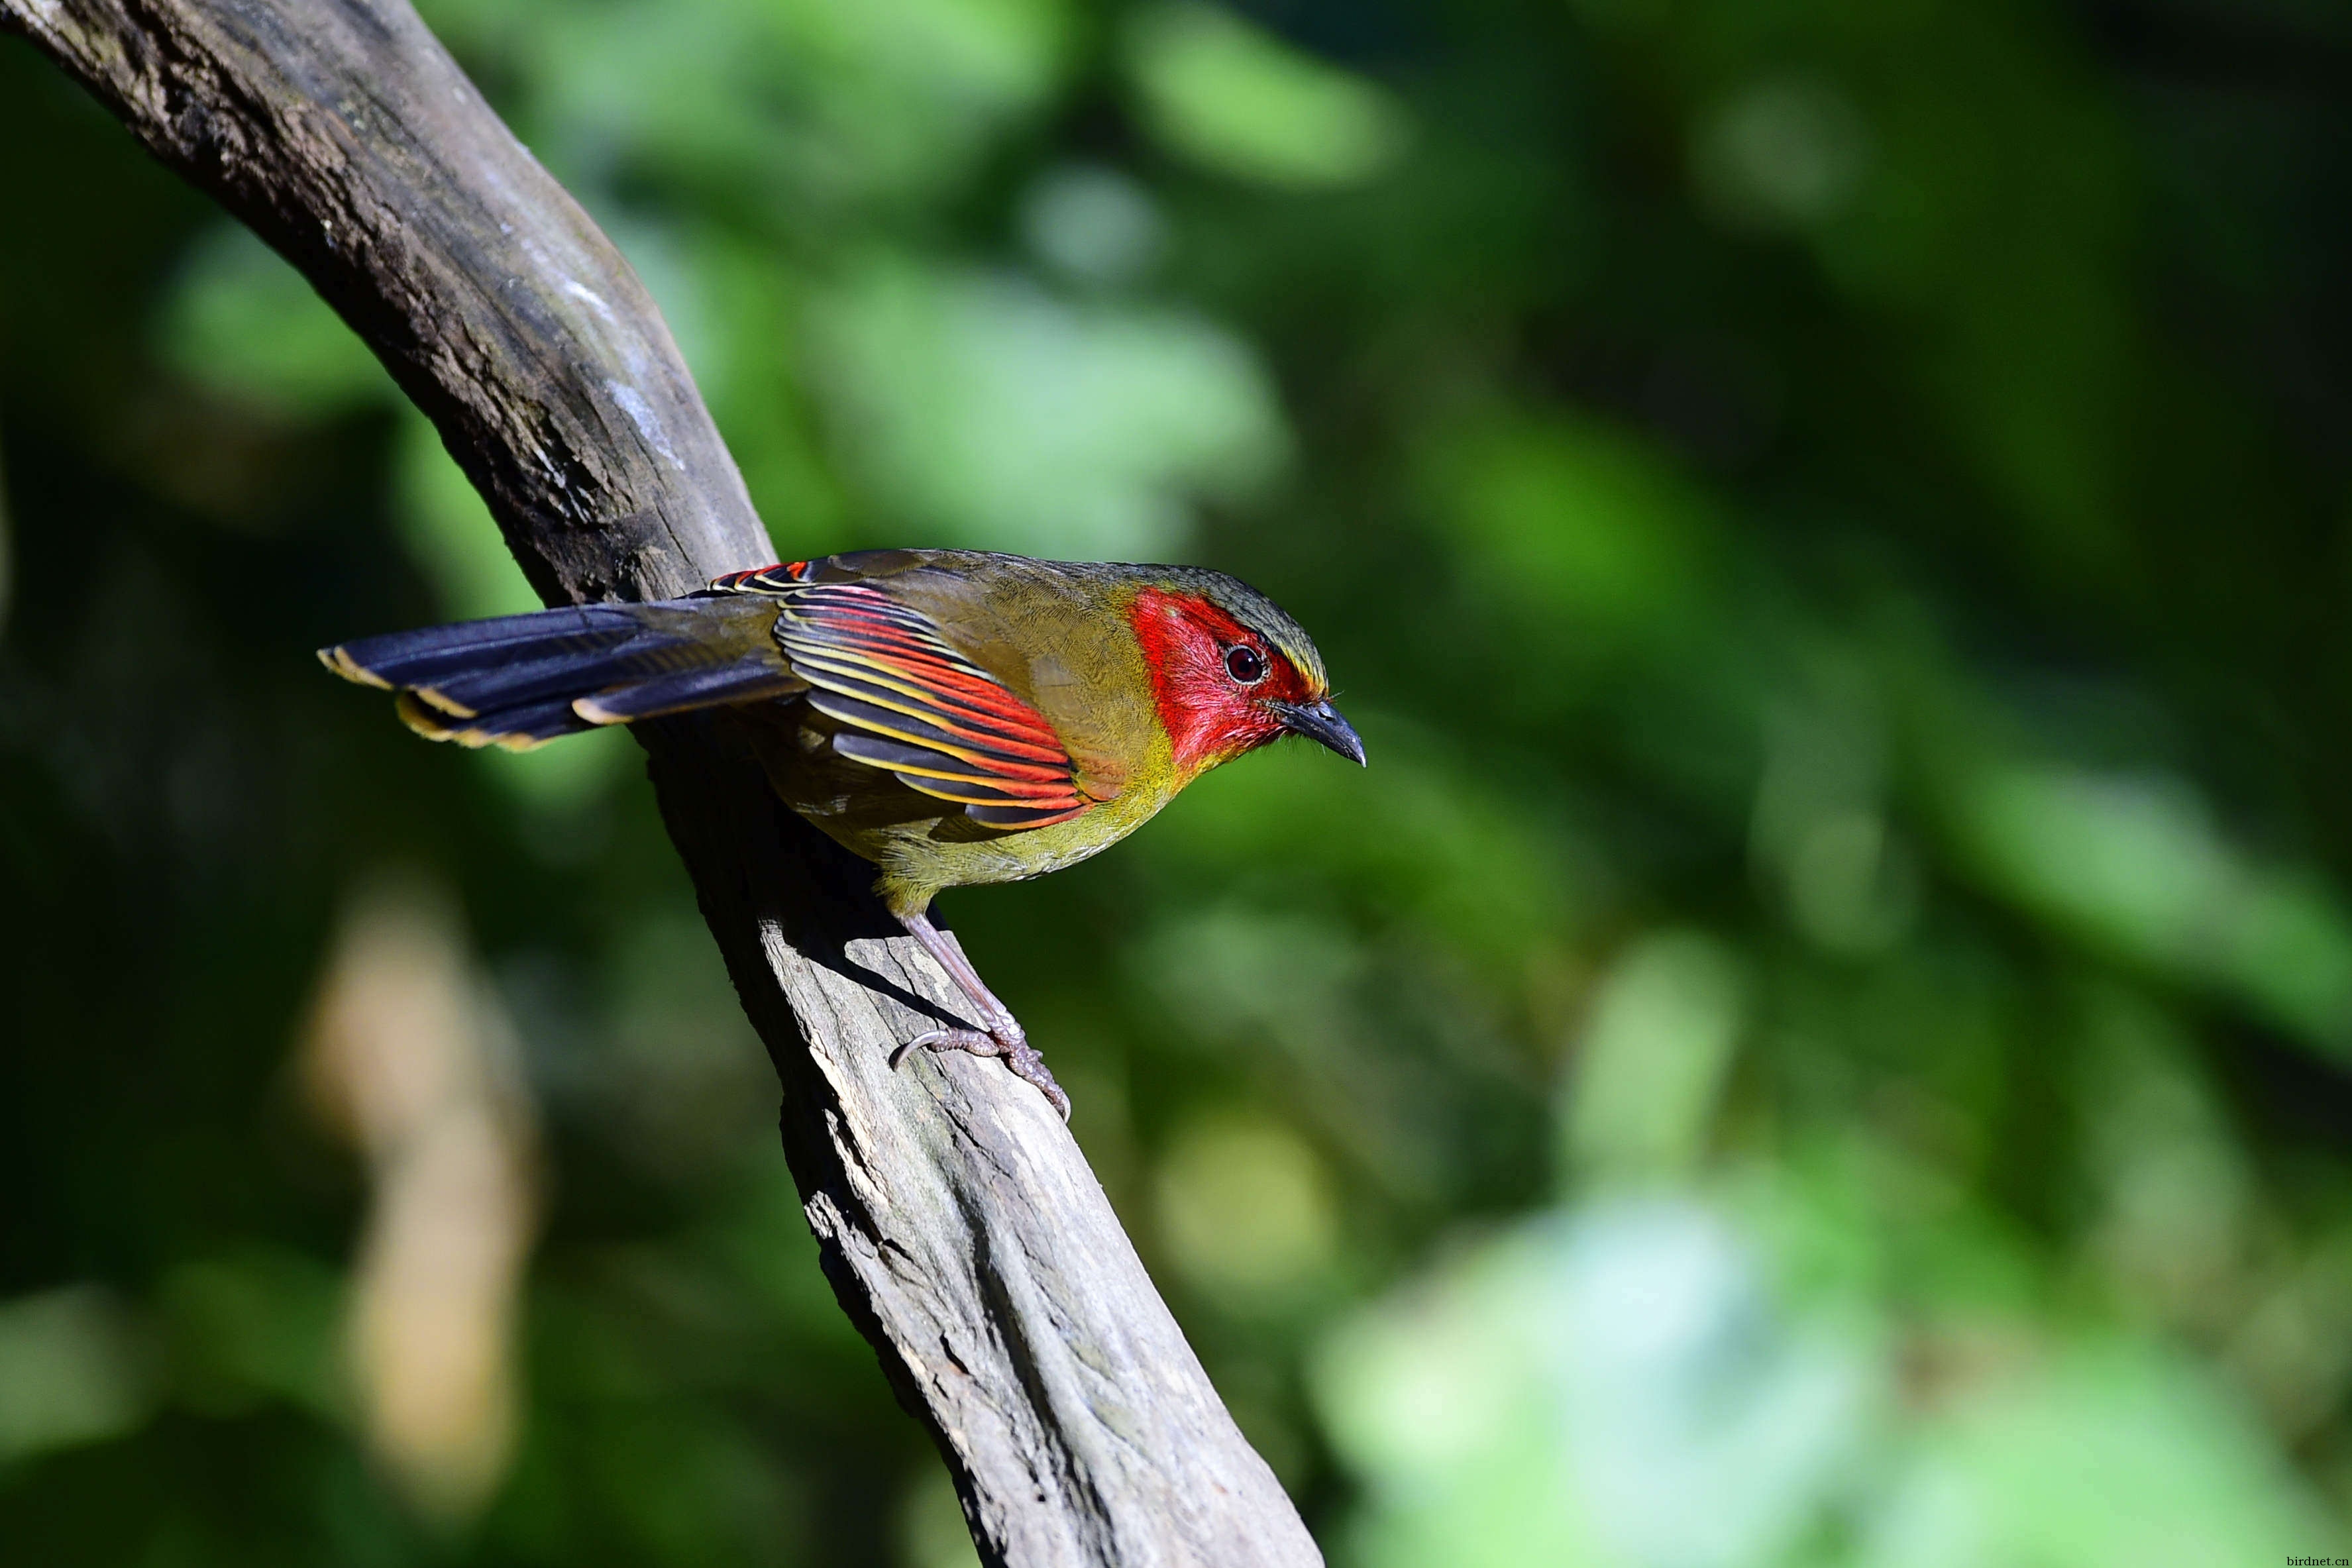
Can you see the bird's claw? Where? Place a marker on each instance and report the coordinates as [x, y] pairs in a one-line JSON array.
[[1027, 1062]]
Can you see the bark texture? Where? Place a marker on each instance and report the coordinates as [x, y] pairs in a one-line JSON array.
[[959, 1225]]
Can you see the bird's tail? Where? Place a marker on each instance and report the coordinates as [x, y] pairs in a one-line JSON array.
[[520, 681]]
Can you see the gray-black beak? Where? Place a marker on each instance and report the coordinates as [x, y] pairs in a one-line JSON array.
[[1322, 722]]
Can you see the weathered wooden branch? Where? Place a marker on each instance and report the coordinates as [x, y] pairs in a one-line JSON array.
[[959, 1223]]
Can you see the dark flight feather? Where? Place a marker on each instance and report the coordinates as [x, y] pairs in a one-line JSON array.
[[522, 680]]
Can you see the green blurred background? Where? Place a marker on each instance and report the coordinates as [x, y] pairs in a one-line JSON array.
[[1823, 1038]]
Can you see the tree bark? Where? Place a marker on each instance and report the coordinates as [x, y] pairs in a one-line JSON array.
[[959, 1223]]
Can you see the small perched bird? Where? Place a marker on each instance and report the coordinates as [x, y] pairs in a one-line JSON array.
[[953, 716]]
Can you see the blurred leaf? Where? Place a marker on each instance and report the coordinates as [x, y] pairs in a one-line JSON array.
[[1653, 1058], [261, 1323], [1093, 225], [2116, 1453], [988, 413], [1611, 1386], [2176, 1190], [1237, 101], [2136, 865], [1247, 1210], [244, 321], [1785, 153], [1590, 537], [448, 528], [1470, 853], [931, 1528], [794, 101], [72, 1372]]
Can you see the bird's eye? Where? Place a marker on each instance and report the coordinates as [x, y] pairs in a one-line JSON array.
[[1246, 666]]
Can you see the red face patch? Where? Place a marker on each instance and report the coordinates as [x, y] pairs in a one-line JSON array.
[[1212, 678]]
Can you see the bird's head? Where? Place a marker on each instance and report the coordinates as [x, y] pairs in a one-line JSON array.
[[1230, 671]]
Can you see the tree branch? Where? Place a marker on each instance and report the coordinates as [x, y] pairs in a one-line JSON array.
[[959, 1225]]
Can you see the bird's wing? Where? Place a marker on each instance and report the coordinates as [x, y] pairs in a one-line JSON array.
[[921, 710]]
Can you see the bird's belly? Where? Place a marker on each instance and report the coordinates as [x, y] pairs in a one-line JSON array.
[[1017, 857], [920, 842]]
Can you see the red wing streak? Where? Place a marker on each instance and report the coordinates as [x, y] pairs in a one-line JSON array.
[[923, 711]]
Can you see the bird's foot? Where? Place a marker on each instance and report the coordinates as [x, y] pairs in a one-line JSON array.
[[1028, 1063]]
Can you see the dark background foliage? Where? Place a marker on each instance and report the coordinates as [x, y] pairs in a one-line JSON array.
[[1820, 1037]]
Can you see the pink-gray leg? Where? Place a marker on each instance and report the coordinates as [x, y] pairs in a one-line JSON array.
[[1001, 1033]]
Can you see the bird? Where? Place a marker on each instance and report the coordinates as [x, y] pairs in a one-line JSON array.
[[956, 717]]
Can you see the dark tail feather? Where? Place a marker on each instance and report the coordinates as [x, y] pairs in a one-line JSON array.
[[520, 681], [518, 729]]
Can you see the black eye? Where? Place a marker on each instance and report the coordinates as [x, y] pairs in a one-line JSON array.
[[1246, 666]]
